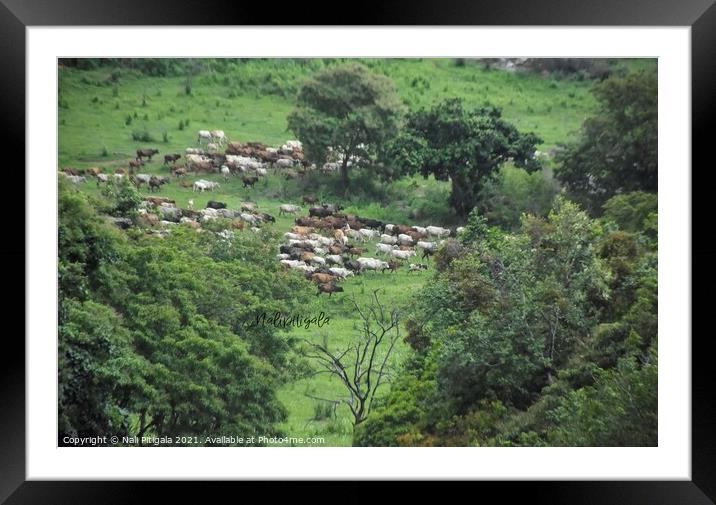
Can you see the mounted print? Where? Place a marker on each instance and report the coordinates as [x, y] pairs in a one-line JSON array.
[[373, 252]]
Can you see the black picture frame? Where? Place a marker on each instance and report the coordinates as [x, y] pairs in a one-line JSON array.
[[700, 15]]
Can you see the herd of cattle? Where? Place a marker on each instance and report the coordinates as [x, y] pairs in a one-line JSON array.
[[327, 244], [249, 160]]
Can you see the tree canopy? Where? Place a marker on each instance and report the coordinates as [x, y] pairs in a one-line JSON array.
[[464, 146], [617, 150], [345, 111]]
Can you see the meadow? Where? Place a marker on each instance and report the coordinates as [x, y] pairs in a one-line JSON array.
[[104, 117]]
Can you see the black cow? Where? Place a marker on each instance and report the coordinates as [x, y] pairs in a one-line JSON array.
[[249, 181]]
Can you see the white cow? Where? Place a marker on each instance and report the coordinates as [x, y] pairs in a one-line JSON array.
[[318, 260], [427, 246], [334, 259], [204, 135], [388, 239], [402, 255], [372, 264], [436, 231], [287, 208], [341, 272], [404, 239], [384, 248], [218, 136], [368, 234], [284, 163]]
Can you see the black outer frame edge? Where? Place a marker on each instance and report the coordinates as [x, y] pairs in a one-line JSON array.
[[703, 110], [387, 12], [12, 255], [508, 12]]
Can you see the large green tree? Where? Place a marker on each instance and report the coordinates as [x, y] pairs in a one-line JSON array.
[[153, 337], [616, 151], [347, 109], [464, 146]]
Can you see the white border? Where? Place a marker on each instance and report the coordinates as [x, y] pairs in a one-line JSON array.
[[672, 459]]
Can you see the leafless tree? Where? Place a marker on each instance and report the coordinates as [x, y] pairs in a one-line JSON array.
[[364, 365]]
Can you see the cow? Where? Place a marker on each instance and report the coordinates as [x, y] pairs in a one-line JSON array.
[[329, 288], [436, 231], [404, 239], [341, 272], [428, 248], [394, 265], [133, 165], [288, 209], [156, 182], [146, 153], [403, 255], [249, 181], [171, 158], [384, 248], [372, 264], [388, 239], [212, 204], [204, 135], [319, 212], [321, 278], [218, 136], [179, 171]]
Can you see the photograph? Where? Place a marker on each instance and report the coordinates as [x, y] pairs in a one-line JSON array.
[[357, 252]]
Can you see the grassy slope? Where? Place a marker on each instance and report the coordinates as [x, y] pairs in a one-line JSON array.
[[92, 119]]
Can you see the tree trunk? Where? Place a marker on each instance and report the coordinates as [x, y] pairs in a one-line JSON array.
[[344, 174]]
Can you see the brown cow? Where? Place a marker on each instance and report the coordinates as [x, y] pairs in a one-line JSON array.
[[134, 164], [329, 288], [146, 153], [158, 200], [171, 158], [323, 278], [302, 230]]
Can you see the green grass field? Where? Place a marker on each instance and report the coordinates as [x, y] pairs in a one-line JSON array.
[[98, 118]]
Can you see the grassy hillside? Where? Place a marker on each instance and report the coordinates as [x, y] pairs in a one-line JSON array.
[[250, 102], [100, 111]]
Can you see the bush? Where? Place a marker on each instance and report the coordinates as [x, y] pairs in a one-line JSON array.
[[142, 136]]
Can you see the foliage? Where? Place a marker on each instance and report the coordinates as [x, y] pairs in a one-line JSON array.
[[348, 109], [153, 337], [617, 149], [631, 210], [466, 147], [514, 192], [542, 337]]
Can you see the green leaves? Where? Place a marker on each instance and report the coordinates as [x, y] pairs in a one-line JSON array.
[[151, 337], [346, 108], [464, 146], [617, 148]]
